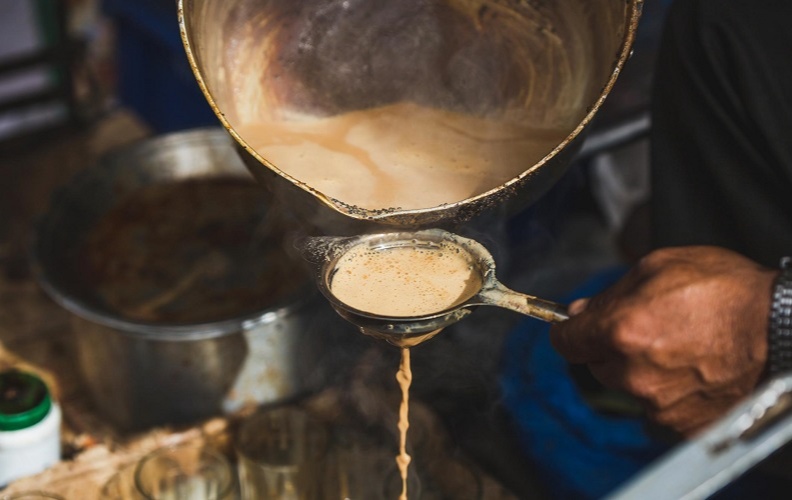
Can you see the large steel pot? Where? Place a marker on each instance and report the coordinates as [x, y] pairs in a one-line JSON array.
[[141, 373], [541, 64]]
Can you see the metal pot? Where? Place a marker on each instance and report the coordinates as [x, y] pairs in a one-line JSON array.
[[541, 64], [141, 373]]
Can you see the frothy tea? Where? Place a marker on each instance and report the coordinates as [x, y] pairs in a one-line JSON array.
[[401, 155], [404, 281]]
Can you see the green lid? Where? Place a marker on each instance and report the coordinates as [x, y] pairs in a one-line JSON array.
[[24, 400]]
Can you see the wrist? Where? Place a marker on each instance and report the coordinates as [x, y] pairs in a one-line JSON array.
[[779, 327]]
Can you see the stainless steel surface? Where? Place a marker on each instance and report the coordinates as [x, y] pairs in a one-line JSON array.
[[540, 64], [409, 331], [733, 445], [147, 373]]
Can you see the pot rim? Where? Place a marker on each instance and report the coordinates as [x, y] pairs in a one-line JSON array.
[[174, 332]]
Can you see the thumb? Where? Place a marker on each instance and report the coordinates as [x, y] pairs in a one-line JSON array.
[[578, 306]]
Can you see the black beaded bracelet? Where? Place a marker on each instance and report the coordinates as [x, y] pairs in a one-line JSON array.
[[779, 328]]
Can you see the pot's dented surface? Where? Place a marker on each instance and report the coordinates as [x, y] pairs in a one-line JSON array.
[[407, 113]]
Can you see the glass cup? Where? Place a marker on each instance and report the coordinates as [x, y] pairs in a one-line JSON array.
[[121, 485], [360, 469], [185, 472], [280, 453]]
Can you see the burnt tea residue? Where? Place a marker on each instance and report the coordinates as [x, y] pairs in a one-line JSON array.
[[190, 252]]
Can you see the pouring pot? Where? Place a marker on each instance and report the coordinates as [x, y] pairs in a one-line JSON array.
[[542, 68], [143, 372]]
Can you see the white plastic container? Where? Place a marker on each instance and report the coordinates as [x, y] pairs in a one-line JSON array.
[[29, 426]]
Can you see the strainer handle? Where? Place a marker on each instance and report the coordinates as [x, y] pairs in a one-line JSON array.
[[545, 310]]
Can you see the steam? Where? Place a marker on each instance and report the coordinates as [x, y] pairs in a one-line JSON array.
[[317, 250]]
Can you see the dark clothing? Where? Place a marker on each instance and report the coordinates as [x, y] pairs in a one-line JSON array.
[[722, 128]]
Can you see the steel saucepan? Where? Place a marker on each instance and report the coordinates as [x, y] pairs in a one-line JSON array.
[[517, 70], [199, 359]]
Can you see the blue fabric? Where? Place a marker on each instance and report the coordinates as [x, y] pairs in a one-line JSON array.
[[580, 453]]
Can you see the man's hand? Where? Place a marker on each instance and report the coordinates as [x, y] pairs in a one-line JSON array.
[[684, 331]]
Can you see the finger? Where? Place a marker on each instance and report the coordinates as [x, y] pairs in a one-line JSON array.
[[692, 414], [658, 389], [581, 339], [577, 307], [586, 336]]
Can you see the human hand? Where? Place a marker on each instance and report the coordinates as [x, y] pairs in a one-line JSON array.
[[685, 331]]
